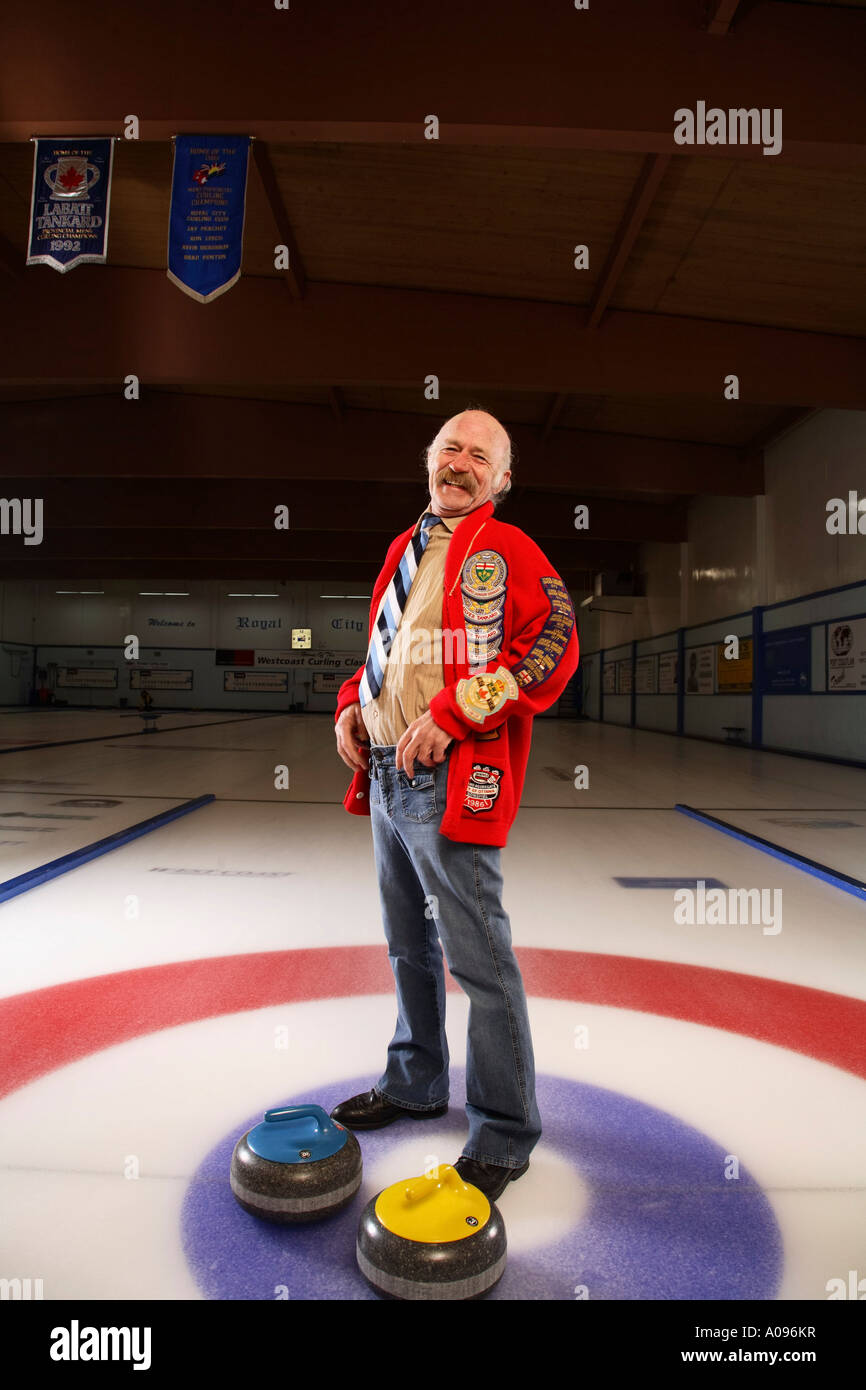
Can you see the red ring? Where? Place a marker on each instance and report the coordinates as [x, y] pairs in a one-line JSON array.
[[48, 1028]]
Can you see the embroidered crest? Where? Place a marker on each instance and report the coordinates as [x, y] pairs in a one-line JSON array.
[[482, 645], [483, 695], [550, 645], [481, 614], [484, 575], [483, 787], [490, 633]]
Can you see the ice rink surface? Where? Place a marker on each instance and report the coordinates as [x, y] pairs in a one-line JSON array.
[[159, 998]]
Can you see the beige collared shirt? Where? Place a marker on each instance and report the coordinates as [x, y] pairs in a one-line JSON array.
[[414, 671]]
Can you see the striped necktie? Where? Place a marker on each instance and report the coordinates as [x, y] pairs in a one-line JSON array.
[[392, 611]]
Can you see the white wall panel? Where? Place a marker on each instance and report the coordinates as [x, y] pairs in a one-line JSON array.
[[843, 604], [821, 459], [657, 712], [832, 726], [617, 709], [721, 557], [706, 715]]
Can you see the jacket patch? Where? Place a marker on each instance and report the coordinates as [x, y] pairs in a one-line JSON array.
[[480, 614], [483, 695], [550, 646], [484, 575], [483, 592], [483, 787], [482, 644]]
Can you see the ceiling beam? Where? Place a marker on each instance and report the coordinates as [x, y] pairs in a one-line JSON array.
[[344, 77], [254, 336], [89, 555], [293, 277], [643, 193], [167, 435], [121, 504], [840, 154], [173, 547], [336, 573], [719, 15], [71, 574], [12, 263], [783, 423], [553, 414]]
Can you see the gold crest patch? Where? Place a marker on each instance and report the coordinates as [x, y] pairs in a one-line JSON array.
[[484, 575], [483, 695]]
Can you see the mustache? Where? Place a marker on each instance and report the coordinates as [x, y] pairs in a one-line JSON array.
[[446, 476]]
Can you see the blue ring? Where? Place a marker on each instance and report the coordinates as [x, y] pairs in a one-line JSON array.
[[662, 1221]]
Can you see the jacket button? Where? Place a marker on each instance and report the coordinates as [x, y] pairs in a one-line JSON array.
[[359, 796]]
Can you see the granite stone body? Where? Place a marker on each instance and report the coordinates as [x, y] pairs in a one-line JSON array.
[[293, 1192], [412, 1269]]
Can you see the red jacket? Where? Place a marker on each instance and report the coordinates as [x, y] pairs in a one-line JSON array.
[[495, 571]]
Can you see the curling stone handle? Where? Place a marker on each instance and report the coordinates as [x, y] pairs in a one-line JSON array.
[[422, 1187], [296, 1112]]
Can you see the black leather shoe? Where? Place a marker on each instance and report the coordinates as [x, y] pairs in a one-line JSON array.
[[371, 1111], [491, 1178]]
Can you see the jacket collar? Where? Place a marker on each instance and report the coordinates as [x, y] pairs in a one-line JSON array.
[[453, 523]]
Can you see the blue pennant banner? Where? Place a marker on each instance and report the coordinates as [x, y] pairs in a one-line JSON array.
[[206, 221], [70, 201]]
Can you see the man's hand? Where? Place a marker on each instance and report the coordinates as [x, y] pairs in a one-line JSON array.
[[352, 741], [424, 741]]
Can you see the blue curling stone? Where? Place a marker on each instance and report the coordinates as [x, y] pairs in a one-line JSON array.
[[297, 1165]]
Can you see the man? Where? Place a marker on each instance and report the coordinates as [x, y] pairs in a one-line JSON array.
[[498, 646]]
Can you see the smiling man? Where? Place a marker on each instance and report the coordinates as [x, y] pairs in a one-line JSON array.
[[438, 738]]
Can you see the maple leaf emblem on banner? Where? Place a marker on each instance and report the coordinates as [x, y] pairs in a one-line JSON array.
[[70, 178]]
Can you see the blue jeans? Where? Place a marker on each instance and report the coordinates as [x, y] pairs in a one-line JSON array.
[[431, 887]]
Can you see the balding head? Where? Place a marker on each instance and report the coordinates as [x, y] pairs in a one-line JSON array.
[[472, 451]]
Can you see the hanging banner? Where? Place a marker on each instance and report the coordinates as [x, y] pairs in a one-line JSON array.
[[206, 219], [69, 203]]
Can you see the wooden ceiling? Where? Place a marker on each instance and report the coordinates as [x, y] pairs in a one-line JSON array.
[[413, 257]]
